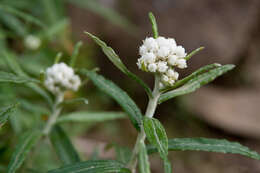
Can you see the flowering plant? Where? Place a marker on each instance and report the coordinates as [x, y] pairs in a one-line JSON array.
[[160, 57]]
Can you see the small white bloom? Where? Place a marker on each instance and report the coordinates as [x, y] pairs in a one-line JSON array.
[[150, 44], [149, 58], [142, 50], [172, 59], [170, 72], [152, 67], [61, 77], [181, 63], [163, 52], [32, 42], [162, 66], [162, 42], [165, 78], [180, 52]]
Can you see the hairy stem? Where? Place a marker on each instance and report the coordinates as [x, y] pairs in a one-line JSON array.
[[55, 114], [151, 107]]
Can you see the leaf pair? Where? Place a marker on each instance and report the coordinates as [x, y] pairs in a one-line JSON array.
[[197, 79]]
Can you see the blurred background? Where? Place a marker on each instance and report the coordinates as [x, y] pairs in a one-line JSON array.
[[227, 108]]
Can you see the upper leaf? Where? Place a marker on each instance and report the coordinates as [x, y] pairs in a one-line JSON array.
[[154, 25], [63, 146], [211, 145], [196, 82], [156, 135], [201, 70], [118, 94], [4, 114], [93, 166], [26, 142], [10, 77], [114, 58], [84, 116]]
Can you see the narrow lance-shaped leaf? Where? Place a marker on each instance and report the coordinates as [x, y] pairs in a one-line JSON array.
[[156, 135], [196, 82], [201, 70], [25, 144], [12, 78], [154, 25], [114, 58], [84, 116], [93, 166], [5, 113], [63, 146], [22, 15], [118, 95], [210, 145], [194, 52], [144, 165], [15, 67], [75, 54], [123, 154]]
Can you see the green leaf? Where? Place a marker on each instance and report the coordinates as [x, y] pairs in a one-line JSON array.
[[156, 135], [93, 166], [22, 15], [75, 54], [154, 25], [118, 94], [84, 116], [16, 68], [5, 113], [191, 76], [144, 165], [63, 146], [194, 52], [196, 82], [210, 145], [25, 144], [13, 23], [167, 166], [10, 77], [114, 58]]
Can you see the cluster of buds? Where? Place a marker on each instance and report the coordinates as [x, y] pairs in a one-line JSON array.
[[60, 77], [161, 56], [32, 42]]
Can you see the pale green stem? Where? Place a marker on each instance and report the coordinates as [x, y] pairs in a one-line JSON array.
[[55, 114], [151, 107]]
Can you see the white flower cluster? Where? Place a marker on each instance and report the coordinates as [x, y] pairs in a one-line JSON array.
[[161, 55], [61, 77], [32, 42]]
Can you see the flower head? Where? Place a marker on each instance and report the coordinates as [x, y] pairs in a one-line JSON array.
[[61, 77], [162, 55], [32, 42]]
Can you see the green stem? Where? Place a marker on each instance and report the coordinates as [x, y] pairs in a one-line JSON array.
[[151, 107], [55, 114]]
